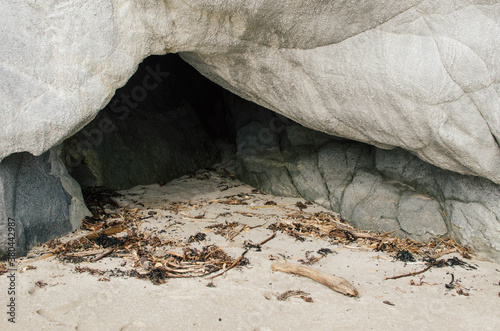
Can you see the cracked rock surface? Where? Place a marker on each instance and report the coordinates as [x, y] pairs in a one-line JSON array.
[[381, 190], [419, 75]]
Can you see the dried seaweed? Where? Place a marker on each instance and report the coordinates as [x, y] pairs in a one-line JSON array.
[[404, 256], [116, 232], [99, 198], [176, 206], [41, 284], [301, 205], [228, 230], [234, 201], [300, 225], [451, 262], [108, 241], [192, 263], [312, 259], [197, 237]]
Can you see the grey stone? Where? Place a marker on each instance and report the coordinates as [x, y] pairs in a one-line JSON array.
[[307, 179], [77, 210], [477, 226], [299, 147], [338, 162], [259, 160], [400, 165], [370, 203], [421, 216], [419, 75], [37, 193], [374, 189], [148, 147]]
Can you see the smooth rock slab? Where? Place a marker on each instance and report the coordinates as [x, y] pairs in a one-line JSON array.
[[420, 215]]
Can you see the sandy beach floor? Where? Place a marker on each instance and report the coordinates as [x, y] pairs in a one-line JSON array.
[[210, 208]]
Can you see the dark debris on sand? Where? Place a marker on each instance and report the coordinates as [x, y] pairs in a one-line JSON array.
[[114, 232]]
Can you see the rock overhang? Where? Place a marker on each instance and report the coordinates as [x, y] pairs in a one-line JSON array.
[[420, 75]]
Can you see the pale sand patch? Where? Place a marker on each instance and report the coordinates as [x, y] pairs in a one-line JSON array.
[[245, 298]]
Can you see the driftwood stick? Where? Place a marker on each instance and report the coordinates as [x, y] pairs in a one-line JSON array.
[[370, 236], [272, 206], [232, 234], [266, 240], [85, 253], [411, 273], [238, 260], [175, 254], [109, 231], [337, 284], [448, 251], [108, 251]]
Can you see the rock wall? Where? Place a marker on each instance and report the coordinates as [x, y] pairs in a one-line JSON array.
[[375, 189], [423, 76], [37, 193], [420, 75]]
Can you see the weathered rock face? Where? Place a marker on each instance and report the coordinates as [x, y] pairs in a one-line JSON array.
[[374, 189], [38, 195], [423, 76], [420, 75]]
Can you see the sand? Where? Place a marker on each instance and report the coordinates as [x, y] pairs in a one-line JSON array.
[[51, 295]]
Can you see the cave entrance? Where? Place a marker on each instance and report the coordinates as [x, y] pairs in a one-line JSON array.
[[167, 121]]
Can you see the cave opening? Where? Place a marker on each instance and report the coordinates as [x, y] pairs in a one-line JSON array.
[[167, 121]]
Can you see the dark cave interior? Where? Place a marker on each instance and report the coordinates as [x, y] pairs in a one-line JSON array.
[[167, 121]]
